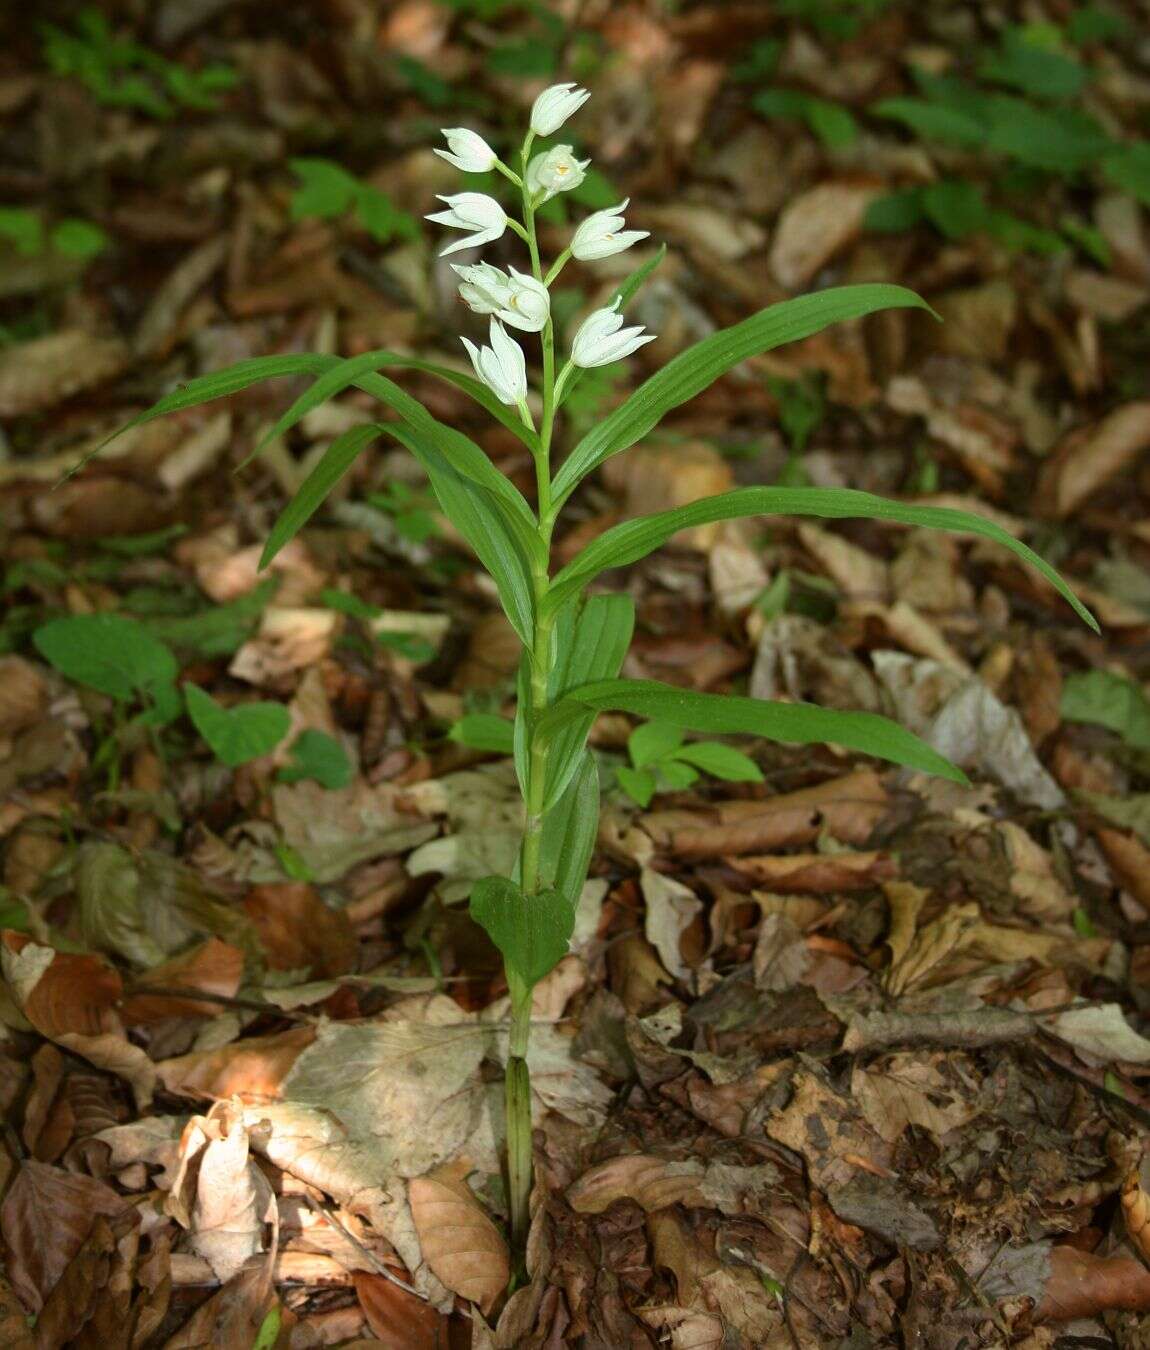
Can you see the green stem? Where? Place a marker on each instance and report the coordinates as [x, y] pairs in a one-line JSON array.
[[518, 1079]]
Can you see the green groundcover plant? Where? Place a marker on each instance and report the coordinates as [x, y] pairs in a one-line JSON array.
[[574, 641]]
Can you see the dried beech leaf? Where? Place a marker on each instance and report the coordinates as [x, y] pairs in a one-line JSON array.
[[671, 909], [1082, 1284], [398, 1320], [45, 1218], [460, 1243], [220, 1195], [1136, 1213]]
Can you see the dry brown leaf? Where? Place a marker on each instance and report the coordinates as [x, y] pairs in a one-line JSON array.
[[1129, 860], [47, 370], [231, 1318], [814, 227], [1082, 1284], [459, 1241], [907, 1090], [635, 973], [72, 999], [398, 1320], [45, 1219], [817, 872], [651, 1182], [219, 1194], [23, 694], [857, 574], [931, 945], [1136, 1213], [658, 478], [253, 1069], [211, 967], [297, 930], [671, 908], [14, 1331], [906, 901], [1091, 457], [830, 1133], [780, 959]]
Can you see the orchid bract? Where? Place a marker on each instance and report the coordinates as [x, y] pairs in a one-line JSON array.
[[574, 642]]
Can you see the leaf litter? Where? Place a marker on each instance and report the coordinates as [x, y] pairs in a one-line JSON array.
[[846, 1057]]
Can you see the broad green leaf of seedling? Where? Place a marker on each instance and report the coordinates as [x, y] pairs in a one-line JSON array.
[[237, 735]]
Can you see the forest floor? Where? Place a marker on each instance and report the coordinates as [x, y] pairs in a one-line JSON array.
[[846, 1057]]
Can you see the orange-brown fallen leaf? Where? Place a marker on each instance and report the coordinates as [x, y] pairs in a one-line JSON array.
[[398, 1320], [72, 999], [459, 1241], [1091, 456], [818, 872], [846, 808], [1082, 1284], [45, 1219], [252, 1069], [211, 967], [1136, 1213], [296, 929]]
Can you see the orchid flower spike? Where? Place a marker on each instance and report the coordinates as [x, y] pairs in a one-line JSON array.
[[602, 234], [554, 171], [554, 106], [602, 339], [501, 366], [515, 299], [467, 150], [481, 216]]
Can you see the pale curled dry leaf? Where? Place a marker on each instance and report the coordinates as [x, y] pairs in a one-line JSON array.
[[459, 1241], [1100, 1033], [219, 1194], [671, 908], [963, 720], [654, 1183]]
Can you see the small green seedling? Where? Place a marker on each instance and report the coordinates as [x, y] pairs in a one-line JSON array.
[[115, 656], [237, 735], [409, 511], [802, 407], [574, 638], [69, 238], [326, 191], [1108, 700], [660, 759], [318, 756], [122, 73]]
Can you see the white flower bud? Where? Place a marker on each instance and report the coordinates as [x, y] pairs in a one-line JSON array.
[[555, 170], [528, 303], [518, 299], [602, 339], [467, 150], [602, 234], [481, 216], [483, 288], [501, 366], [554, 106]]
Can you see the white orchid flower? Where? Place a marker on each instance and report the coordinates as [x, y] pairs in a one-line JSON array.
[[554, 171], [482, 288], [501, 366], [467, 150], [528, 304], [602, 234], [602, 339], [554, 106], [481, 216], [516, 299]]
